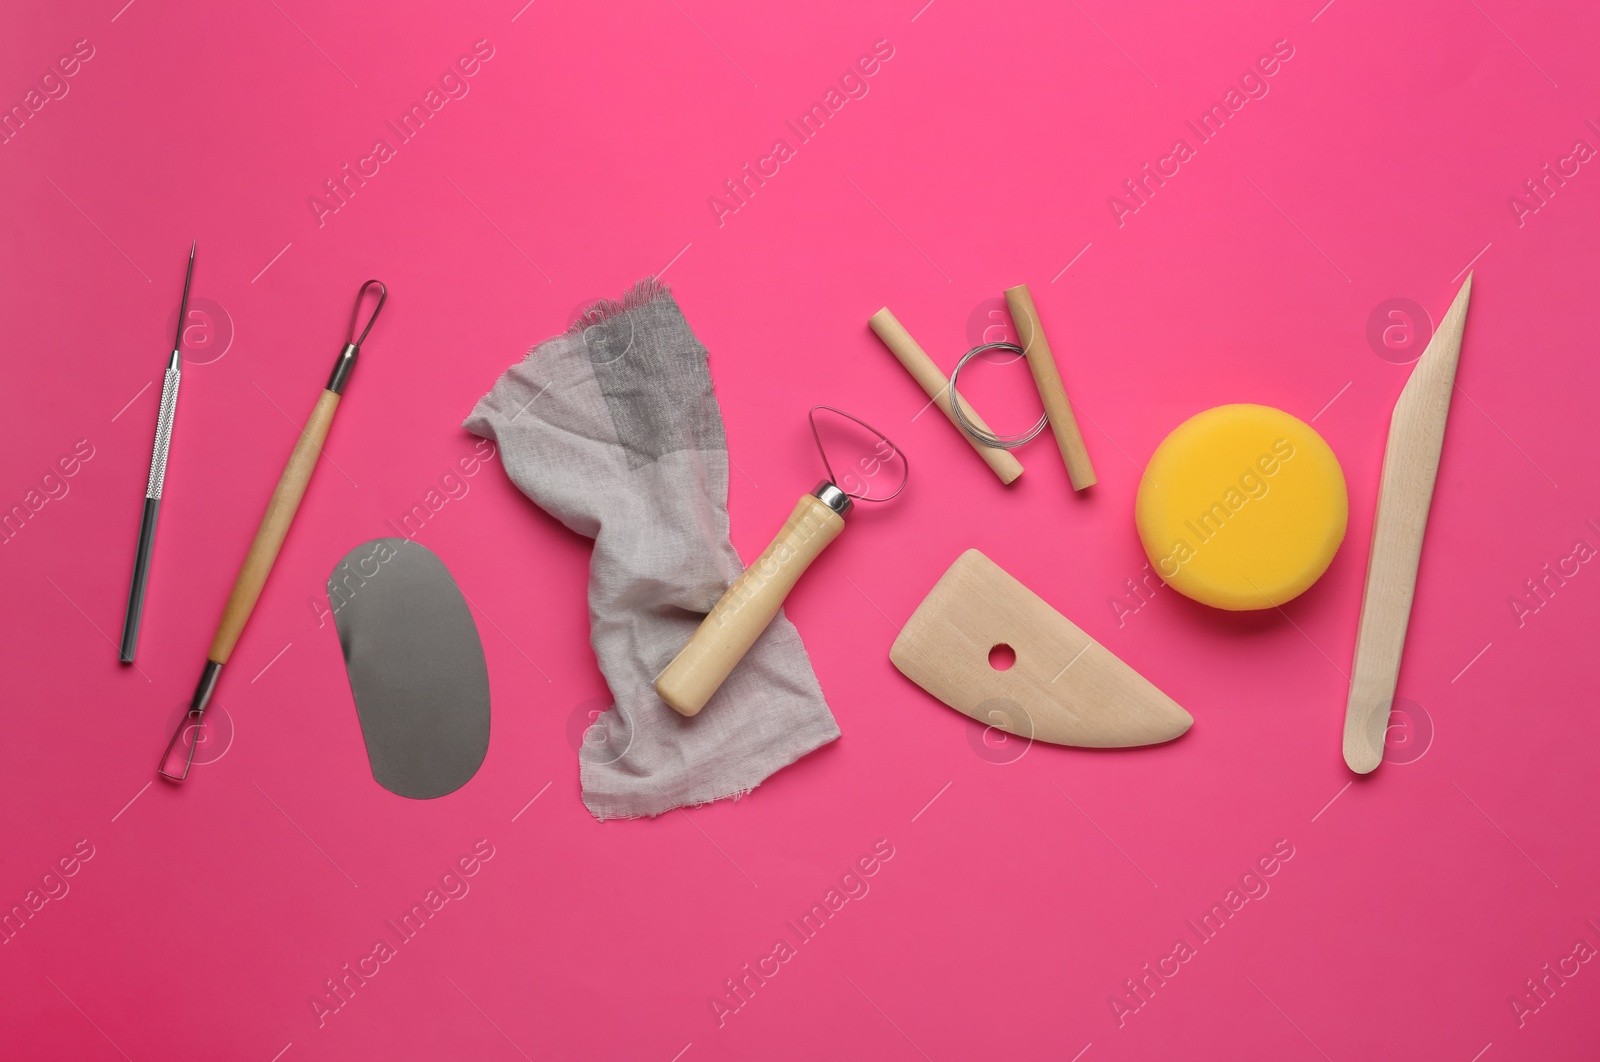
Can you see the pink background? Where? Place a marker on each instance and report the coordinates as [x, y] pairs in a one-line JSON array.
[[1027, 884]]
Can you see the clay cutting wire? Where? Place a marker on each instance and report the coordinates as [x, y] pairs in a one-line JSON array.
[[894, 451], [989, 438]]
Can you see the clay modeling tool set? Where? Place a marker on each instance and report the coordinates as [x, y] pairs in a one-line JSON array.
[[158, 474], [1410, 467], [1241, 507], [749, 605], [274, 528]]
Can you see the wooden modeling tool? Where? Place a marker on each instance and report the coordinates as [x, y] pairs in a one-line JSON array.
[[933, 382], [1064, 688], [1047, 378], [274, 528], [1410, 466], [748, 606]]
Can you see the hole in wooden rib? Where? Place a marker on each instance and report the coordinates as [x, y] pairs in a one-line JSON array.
[[1002, 656]]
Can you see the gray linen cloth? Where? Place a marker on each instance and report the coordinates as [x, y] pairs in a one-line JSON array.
[[613, 429]]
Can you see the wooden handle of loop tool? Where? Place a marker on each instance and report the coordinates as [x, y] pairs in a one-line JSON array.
[[749, 605]]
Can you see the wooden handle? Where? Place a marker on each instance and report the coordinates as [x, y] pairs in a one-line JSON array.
[[274, 526], [926, 373], [1047, 378], [745, 609], [1410, 467]]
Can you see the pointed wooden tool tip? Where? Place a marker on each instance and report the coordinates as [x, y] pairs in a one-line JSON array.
[[1458, 305]]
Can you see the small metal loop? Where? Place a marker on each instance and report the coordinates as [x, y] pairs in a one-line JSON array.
[[355, 312], [998, 442], [191, 718], [897, 452]]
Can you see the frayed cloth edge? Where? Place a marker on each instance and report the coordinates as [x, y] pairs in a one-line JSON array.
[[737, 793], [643, 293], [611, 808]]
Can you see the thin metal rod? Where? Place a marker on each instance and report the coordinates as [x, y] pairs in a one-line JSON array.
[[183, 307]]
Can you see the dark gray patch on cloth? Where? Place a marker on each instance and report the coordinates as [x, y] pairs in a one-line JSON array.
[[652, 371], [416, 667]]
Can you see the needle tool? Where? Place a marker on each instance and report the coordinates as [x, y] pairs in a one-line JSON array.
[[158, 474], [269, 538]]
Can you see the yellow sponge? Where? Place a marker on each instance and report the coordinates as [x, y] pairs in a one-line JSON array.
[[1242, 507]]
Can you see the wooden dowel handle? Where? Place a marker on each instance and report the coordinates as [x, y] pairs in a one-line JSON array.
[[1047, 378], [747, 607], [926, 373], [274, 527]]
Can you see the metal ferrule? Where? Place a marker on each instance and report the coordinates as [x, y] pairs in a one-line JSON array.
[[342, 368], [207, 686], [833, 497]]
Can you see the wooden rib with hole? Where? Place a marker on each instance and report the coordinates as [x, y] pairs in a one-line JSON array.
[[937, 387], [1065, 688], [1410, 467], [1047, 378]]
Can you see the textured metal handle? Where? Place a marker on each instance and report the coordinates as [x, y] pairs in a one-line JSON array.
[[169, 408]]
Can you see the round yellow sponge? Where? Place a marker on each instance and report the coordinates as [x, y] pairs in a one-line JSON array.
[[1242, 507]]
